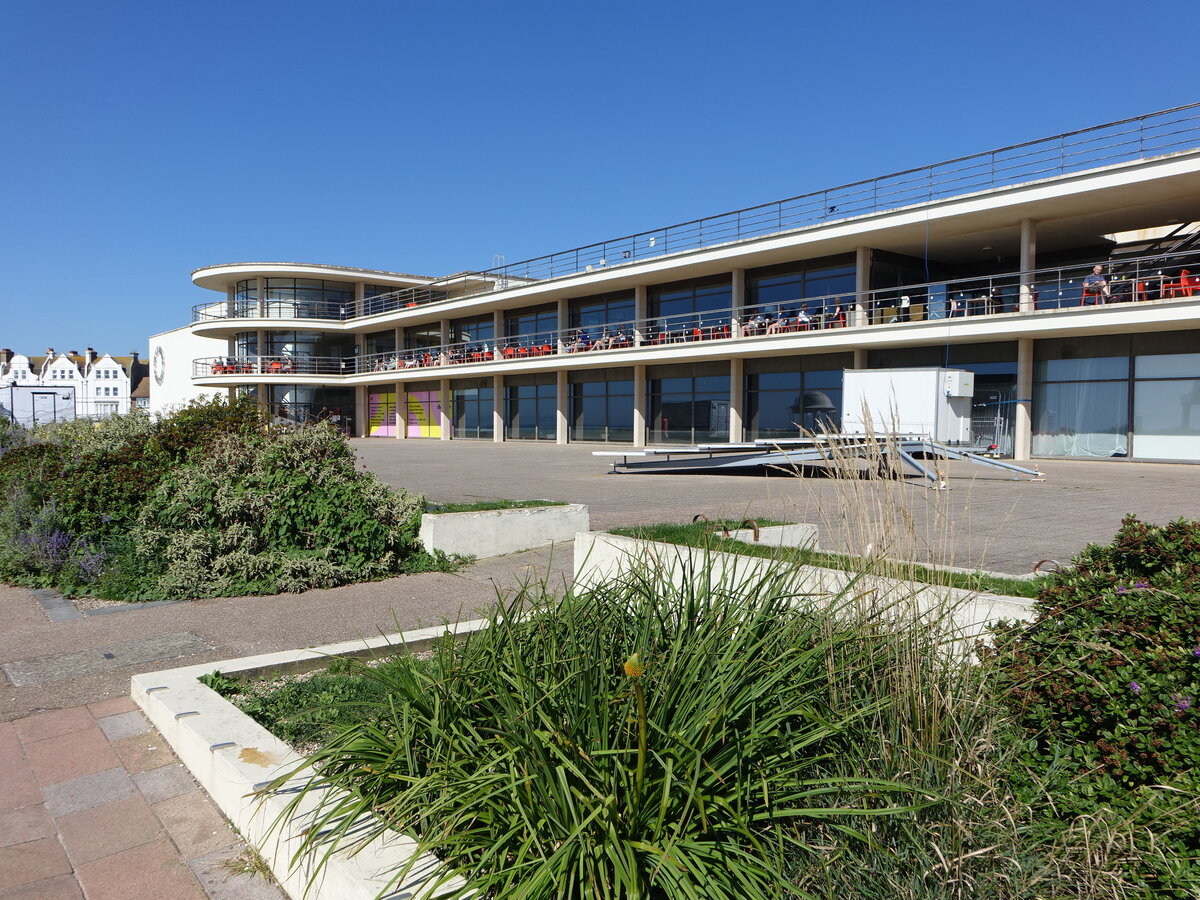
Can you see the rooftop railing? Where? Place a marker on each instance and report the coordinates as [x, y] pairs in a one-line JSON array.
[[1128, 281], [1155, 134]]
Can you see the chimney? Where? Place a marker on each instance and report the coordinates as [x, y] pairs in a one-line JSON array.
[[73, 353], [89, 357], [6, 355], [49, 353]]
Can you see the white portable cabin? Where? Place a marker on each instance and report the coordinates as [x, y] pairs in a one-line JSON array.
[[929, 402]]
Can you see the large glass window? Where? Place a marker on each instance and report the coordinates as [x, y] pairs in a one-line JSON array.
[[245, 297], [688, 404], [526, 323], [1166, 406], [695, 297], [380, 342], [1081, 398], [790, 396], [601, 404], [530, 407], [607, 309], [308, 298], [473, 402], [301, 403], [476, 330]]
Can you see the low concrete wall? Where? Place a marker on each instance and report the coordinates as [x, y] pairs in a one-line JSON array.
[[233, 757], [600, 556], [495, 532], [796, 535]]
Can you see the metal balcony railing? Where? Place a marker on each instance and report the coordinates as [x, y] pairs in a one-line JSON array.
[[1155, 134], [272, 365], [1163, 276]]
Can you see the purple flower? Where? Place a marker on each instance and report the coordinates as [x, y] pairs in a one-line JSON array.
[[1121, 589], [1142, 584], [1196, 653], [1135, 689], [1182, 704]]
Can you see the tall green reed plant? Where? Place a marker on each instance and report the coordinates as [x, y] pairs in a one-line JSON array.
[[656, 736]]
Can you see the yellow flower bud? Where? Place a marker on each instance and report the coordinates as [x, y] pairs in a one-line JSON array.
[[634, 667]]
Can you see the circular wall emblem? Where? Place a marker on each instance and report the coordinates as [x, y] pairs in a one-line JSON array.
[[160, 366]]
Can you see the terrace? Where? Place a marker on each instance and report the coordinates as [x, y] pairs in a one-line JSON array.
[[1135, 282]]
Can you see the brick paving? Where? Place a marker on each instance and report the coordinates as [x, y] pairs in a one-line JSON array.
[[94, 804]]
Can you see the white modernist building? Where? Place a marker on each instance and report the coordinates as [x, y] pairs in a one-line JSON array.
[[101, 385], [1063, 274]]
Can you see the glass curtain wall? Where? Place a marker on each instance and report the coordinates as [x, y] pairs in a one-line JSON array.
[[1166, 406], [530, 407], [684, 305], [478, 330], [310, 351], [245, 297], [789, 396], [688, 404], [472, 405], [594, 313], [304, 403], [308, 298], [601, 406], [787, 288]]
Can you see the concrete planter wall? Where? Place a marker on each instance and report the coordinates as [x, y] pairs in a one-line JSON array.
[[233, 758], [600, 556], [495, 532]]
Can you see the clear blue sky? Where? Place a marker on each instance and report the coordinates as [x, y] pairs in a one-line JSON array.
[[144, 139]]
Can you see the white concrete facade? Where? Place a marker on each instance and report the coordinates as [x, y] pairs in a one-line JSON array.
[[738, 326]]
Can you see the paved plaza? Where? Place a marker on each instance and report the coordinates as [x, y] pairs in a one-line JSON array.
[[985, 520], [94, 804]]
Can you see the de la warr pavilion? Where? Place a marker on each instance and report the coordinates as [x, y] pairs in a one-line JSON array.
[[1063, 272]]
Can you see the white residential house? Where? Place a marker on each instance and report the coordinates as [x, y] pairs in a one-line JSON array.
[[103, 385]]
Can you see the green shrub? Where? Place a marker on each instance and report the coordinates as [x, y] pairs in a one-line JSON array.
[[1104, 685], [259, 514]]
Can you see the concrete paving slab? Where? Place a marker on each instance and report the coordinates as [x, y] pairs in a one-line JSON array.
[[109, 828], [164, 782], [60, 666], [150, 872], [84, 793], [123, 725], [221, 882], [60, 887]]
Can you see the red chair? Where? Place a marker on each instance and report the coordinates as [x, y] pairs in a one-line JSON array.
[[1187, 285]]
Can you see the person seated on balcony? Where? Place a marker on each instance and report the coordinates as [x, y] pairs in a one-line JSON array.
[[620, 339], [579, 343], [604, 342], [1095, 287], [803, 320], [778, 324], [904, 312], [756, 324]]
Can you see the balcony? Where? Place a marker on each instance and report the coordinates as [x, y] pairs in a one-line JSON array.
[[1128, 283]]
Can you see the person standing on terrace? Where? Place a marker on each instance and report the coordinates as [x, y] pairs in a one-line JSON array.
[[1095, 287]]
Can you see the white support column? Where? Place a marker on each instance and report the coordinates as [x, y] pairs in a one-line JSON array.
[[360, 291], [862, 288], [498, 405], [639, 313], [737, 431], [401, 412], [563, 401], [231, 302], [444, 419], [737, 290], [639, 406], [260, 341], [444, 332], [860, 358], [361, 410], [262, 298], [1028, 301], [498, 331], [1023, 416]]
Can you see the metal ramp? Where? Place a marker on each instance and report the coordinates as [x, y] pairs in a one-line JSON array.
[[785, 454]]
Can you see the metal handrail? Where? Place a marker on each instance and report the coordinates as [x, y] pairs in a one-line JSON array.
[[1140, 279], [1154, 134]]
